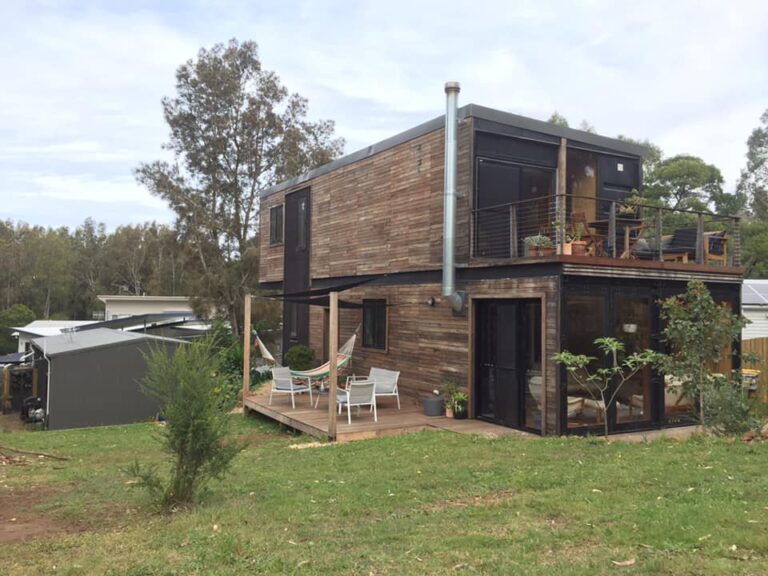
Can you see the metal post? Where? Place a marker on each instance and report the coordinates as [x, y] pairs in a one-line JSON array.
[[246, 348], [612, 229], [333, 346], [736, 251], [513, 231], [700, 240], [560, 201], [659, 234]]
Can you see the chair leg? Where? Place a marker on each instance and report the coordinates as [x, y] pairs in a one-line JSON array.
[[310, 393], [375, 414], [349, 414], [293, 400], [270, 396], [397, 394]]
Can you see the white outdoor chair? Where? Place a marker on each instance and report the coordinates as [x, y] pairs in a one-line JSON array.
[[284, 383], [386, 382], [358, 393]]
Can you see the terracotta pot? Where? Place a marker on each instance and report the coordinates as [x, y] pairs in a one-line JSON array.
[[546, 251], [579, 248]]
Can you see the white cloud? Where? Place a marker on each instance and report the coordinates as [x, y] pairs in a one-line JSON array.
[[80, 103]]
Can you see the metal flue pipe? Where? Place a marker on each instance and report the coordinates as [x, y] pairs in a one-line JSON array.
[[449, 197]]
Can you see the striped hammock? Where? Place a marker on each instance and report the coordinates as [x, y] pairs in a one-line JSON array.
[[342, 359], [321, 372]]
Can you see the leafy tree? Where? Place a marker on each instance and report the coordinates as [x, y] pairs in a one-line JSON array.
[[16, 315], [196, 434], [89, 243], [587, 127], [234, 130], [685, 182], [754, 235], [558, 119], [604, 383], [652, 158], [754, 178], [698, 331]]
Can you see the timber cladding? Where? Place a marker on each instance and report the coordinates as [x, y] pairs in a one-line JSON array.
[[428, 344], [380, 214]]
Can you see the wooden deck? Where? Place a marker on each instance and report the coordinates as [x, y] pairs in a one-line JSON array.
[[410, 418]]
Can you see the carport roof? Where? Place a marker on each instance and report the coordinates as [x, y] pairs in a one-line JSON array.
[[71, 342]]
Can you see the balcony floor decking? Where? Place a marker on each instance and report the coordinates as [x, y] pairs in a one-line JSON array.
[[410, 418]]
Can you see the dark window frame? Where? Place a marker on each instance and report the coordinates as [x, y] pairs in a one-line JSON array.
[[276, 225], [375, 310]]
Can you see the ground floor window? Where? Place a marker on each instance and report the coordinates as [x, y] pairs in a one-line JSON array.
[[375, 324], [630, 312]]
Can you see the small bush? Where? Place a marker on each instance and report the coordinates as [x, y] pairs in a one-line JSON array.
[[726, 409], [300, 358], [196, 432]]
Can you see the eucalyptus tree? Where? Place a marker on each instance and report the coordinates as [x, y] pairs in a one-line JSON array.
[[234, 130]]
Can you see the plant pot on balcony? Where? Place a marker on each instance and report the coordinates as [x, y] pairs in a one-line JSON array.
[[546, 251], [579, 248]]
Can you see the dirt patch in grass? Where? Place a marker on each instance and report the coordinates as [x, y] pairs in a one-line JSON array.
[[19, 519]]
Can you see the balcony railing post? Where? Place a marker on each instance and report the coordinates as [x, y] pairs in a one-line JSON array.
[[736, 250], [659, 234], [513, 239], [700, 240], [612, 229]]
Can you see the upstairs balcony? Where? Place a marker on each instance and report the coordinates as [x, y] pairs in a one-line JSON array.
[[579, 227]]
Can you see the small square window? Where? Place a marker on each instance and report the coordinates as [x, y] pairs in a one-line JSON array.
[[276, 225], [375, 324]]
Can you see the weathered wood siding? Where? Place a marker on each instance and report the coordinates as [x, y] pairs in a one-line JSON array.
[[381, 214], [428, 344]]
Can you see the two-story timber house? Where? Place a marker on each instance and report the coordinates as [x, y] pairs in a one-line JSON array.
[[490, 242]]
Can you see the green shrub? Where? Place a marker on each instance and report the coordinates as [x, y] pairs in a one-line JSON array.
[[726, 408], [196, 432], [300, 358]]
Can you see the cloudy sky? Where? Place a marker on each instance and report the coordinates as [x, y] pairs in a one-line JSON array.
[[81, 82]]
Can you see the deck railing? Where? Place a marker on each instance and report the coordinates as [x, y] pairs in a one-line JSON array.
[[585, 226]]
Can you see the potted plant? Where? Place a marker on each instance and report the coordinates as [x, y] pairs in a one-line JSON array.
[[449, 389], [460, 404], [539, 245], [578, 246]]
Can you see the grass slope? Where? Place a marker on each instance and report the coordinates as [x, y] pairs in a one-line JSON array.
[[427, 503]]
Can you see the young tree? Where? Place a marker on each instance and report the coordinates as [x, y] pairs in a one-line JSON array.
[[604, 383], [698, 332], [15, 316], [196, 434], [754, 178], [234, 130]]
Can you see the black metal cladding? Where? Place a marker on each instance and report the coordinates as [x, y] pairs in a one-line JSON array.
[[524, 151], [296, 257]]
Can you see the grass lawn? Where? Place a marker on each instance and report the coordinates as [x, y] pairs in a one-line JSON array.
[[426, 503]]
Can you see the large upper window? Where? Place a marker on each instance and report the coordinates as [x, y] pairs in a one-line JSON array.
[[375, 324], [276, 224]]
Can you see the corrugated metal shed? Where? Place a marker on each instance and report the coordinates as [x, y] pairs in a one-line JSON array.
[[93, 377]]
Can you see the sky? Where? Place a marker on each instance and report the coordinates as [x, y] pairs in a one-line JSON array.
[[81, 82]]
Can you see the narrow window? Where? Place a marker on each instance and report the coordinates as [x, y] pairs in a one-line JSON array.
[[276, 225], [302, 225], [375, 324]]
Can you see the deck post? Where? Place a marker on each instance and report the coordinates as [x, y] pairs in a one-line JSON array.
[[333, 351], [700, 240], [612, 229], [560, 201], [513, 231], [736, 250], [659, 233], [246, 349]]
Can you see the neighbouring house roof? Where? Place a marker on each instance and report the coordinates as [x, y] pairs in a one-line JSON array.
[[15, 358], [131, 298], [754, 293], [143, 321], [49, 327], [73, 342], [473, 111]]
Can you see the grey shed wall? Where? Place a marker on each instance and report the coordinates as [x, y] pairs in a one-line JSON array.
[[100, 386]]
